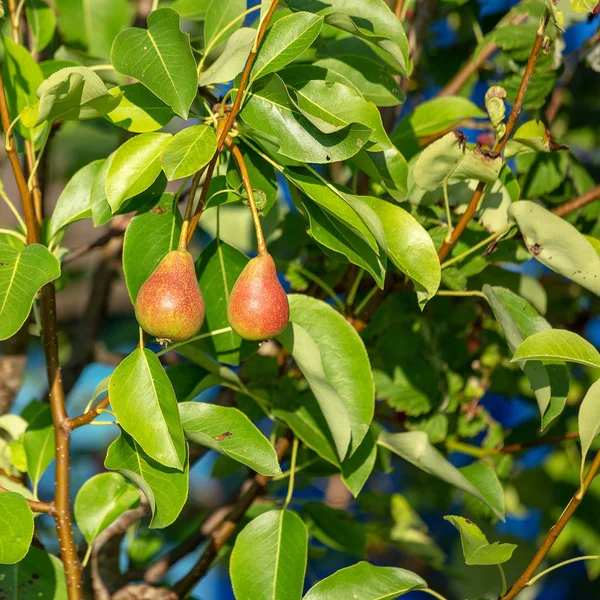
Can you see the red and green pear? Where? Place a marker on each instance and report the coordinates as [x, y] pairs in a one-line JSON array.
[[258, 307], [170, 305]]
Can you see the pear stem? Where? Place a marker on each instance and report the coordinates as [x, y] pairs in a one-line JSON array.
[[239, 159]]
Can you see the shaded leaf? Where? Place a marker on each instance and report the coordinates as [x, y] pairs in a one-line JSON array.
[[589, 421], [100, 501], [165, 488], [415, 447]]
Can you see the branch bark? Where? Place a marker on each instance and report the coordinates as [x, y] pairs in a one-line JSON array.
[[40, 507], [521, 583], [562, 210], [223, 131], [500, 144], [62, 514]]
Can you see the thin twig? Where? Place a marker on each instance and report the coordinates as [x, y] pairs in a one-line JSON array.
[[116, 230], [562, 210], [239, 159], [228, 122], [500, 144], [40, 507], [525, 577]]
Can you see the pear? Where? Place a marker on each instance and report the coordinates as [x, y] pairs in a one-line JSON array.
[[258, 307], [170, 305]]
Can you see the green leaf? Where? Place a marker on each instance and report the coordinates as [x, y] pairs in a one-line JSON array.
[[415, 447], [484, 478], [188, 151], [434, 117], [100, 501], [557, 244], [161, 58], [449, 160], [270, 110], [39, 576], [73, 94], [583, 6], [366, 582], [150, 235], [42, 23], [22, 274], [191, 9], [305, 418], [218, 267], [221, 20], [229, 431], [353, 62], [476, 549], [135, 166], [519, 320], [74, 202], [334, 361], [371, 20], [138, 110], [288, 39], [16, 527], [589, 421], [231, 60], [38, 443], [545, 172], [558, 345], [408, 246], [22, 77], [357, 468], [334, 234], [334, 528], [100, 208], [144, 402], [93, 25], [531, 137], [165, 488], [273, 545]]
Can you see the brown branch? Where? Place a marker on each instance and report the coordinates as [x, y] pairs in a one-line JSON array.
[[562, 210], [223, 130], [62, 514], [39, 507], [554, 532], [224, 531], [117, 230], [472, 66], [511, 448], [398, 8], [239, 159], [475, 63], [499, 147], [89, 416]]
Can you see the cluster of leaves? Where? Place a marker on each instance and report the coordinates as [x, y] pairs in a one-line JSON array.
[[310, 126]]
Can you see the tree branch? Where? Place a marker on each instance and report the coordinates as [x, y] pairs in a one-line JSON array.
[[39, 507], [223, 131], [554, 532], [224, 531], [62, 514], [562, 210], [499, 147]]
